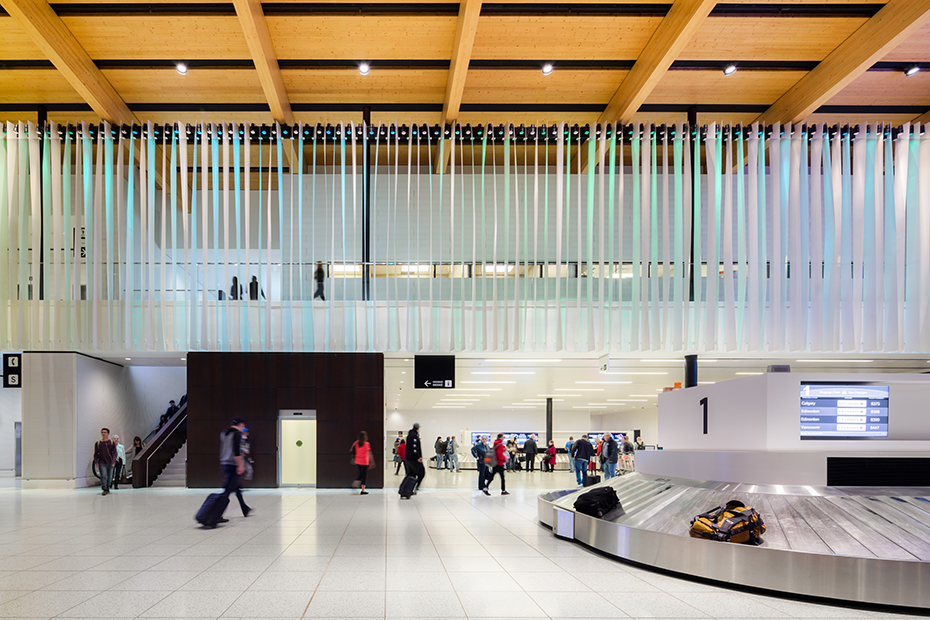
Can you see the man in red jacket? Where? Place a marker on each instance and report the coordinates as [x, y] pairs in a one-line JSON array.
[[500, 459]]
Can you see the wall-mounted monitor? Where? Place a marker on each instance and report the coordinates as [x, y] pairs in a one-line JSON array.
[[519, 437], [844, 411]]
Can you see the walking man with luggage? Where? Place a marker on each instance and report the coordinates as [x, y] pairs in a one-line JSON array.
[[500, 459], [233, 463], [413, 457], [105, 457]]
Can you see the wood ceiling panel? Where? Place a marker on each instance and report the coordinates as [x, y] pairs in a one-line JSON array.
[[164, 37], [886, 88], [17, 44], [554, 38], [15, 117], [713, 87], [530, 86], [363, 37], [379, 86], [768, 38], [198, 86], [915, 49], [36, 86]]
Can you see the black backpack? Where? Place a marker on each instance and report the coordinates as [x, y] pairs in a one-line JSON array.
[[597, 502]]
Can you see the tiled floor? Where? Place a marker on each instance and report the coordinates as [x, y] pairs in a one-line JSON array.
[[448, 553]]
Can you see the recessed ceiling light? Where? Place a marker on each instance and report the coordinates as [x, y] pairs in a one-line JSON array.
[[547, 68], [729, 70], [835, 361], [406, 360], [588, 407], [579, 389], [503, 372], [128, 359], [183, 359], [487, 382], [912, 71], [603, 382], [520, 361], [627, 400], [181, 68], [364, 68], [403, 372], [625, 372]]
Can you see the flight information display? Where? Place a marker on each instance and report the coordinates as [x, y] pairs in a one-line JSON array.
[[843, 411]]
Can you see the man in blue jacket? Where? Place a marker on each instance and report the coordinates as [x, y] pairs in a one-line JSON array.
[[480, 452]]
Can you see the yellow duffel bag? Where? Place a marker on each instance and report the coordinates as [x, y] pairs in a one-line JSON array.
[[732, 522]]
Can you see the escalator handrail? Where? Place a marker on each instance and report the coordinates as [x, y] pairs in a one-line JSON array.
[[161, 436]]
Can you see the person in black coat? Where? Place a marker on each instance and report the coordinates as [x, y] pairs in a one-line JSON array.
[[236, 291], [319, 275], [530, 449], [414, 456], [582, 452], [254, 290]]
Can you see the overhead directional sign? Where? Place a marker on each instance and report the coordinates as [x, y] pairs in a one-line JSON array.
[[434, 372]]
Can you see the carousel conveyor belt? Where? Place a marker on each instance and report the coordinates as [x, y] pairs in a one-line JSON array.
[[875, 528]]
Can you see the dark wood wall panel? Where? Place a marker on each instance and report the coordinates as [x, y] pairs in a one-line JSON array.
[[346, 389]]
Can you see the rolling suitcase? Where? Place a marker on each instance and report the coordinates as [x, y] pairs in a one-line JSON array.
[[212, 510], [407, 487], [591, 480]]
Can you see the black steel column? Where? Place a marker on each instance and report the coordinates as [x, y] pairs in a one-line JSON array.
[[691, 371], [695, 200], [366, 215], [549, 436], [41, 122]]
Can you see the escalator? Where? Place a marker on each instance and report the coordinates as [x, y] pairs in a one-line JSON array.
[[160, 447]]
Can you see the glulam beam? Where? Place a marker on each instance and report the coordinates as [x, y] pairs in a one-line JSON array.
[[894, 23], [258, 38], [465, 28]]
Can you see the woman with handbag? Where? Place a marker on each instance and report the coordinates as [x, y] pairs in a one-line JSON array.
[[362, 457]]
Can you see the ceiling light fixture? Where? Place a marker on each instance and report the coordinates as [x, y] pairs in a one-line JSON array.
[[834, 361], [364, 68], [528, 360], [588, 407], [128, 359], [504, 372], [547, 68], [645, 395], [912, 71], [183, 359], [626, 372], [603, 382], [181, 68], [729, 70]]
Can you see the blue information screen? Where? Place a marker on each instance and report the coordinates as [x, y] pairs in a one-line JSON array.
[[843, 411]]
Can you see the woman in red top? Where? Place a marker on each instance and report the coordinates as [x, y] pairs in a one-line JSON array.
[[362, 451], [550, 456], [399, 456]]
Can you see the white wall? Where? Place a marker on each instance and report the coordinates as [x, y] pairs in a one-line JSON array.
[[11, 411], [68, 398], [763, 413], [646, 420]]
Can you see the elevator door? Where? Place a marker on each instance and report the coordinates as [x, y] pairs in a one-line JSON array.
[[298, 452]]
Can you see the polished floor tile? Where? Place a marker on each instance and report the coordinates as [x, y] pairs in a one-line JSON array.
[[449, 553]]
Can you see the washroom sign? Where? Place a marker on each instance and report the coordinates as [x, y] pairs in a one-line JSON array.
[[12, 370]]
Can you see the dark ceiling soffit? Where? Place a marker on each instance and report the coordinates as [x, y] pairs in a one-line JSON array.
[[533, 65], [451, 8], [473, 107]]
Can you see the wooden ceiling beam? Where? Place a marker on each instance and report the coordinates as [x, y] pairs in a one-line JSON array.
[[58, 43], [670, 38], [672, 35], [923, 118], [894, 23], [258, 38], [465, 29]]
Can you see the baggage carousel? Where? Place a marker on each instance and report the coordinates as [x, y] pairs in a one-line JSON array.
[[868, 545]]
